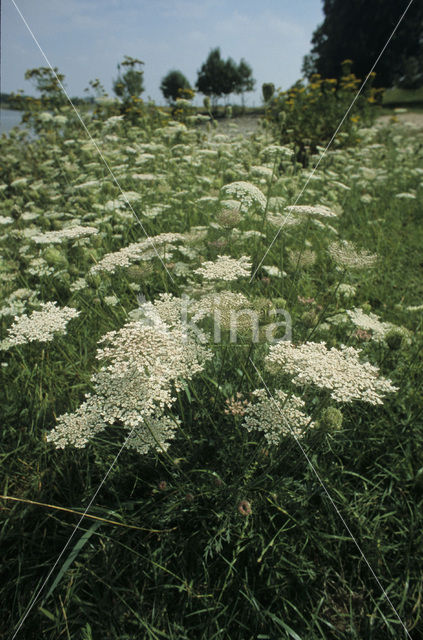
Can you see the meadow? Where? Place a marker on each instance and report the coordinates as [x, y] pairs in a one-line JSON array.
[[215, 353]]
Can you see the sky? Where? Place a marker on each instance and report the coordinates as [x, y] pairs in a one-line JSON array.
[[86, 39]]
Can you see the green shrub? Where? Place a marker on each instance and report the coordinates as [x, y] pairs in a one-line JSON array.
[[308, 115]]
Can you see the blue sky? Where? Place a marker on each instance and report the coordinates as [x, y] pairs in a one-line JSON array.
[[86, 39]]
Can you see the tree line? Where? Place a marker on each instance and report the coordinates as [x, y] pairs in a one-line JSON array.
[[358, 30], [216, 78]]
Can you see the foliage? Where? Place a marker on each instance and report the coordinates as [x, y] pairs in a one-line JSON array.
[[309, 113], [218, 77], [97, 87], [267, 90], [411, 75], [403, 97], [128, 87], [245, 80], [172, 85], [129, 84], [359, 31], [48, 82]]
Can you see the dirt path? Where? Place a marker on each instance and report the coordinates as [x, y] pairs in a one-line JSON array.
[[413, 117], [248, 125], [241, 125]]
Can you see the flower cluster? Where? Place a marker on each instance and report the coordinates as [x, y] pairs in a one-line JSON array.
[[338, 370], [223, 306], [39, 326], [225, 268], [318, 210], [246, 193], [144, 366], [145, 249], [346, 255], [236, 405], [304, 257], [228, 218], [346, 290], [15, 304], [370, 322], [369, 326], [57, 237], [276, 416]]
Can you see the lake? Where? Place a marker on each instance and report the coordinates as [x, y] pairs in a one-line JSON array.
[[9, 118]]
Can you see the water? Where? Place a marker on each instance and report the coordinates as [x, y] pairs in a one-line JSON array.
[[9, 118]]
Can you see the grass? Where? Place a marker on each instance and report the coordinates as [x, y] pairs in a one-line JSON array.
[[165, 551], [399, 97]]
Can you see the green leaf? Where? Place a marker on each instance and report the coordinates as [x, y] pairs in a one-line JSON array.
[[71, 557], [49, 615]]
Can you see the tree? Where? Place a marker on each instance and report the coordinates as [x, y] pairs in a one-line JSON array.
[[210, 78], [173, 84], [218, 77], [129, 84], [358, 30], [246, 81], [267, 90]]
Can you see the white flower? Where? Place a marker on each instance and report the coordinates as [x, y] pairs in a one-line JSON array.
[[346, 290], [112, 301], [371, 322], [223, 306], [71, 233], [45, 116], [338, 370], [40, 326], [345, 254], [87, 185], [144, 250], [144, 177], [275, 151], [273, 271], [405, 196], [276, 416], [319, 210], [144, 365], [60, 119], [246, 193], [225, 268], [418, 307], [261, 171]]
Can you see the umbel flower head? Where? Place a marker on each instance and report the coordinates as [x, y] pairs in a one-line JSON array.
[[144, 365], [146, 249], [346, 255], [338, 370], [39, 326], [276, 416], [246, 194], [57, 237], [222, 306], [225, 268], [370, 322], [318, 210]]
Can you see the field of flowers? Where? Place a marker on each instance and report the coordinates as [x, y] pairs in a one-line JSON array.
[[216, 355]]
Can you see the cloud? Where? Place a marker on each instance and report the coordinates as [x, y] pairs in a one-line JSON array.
[[87, 38], [260, 27], [188, 9]]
